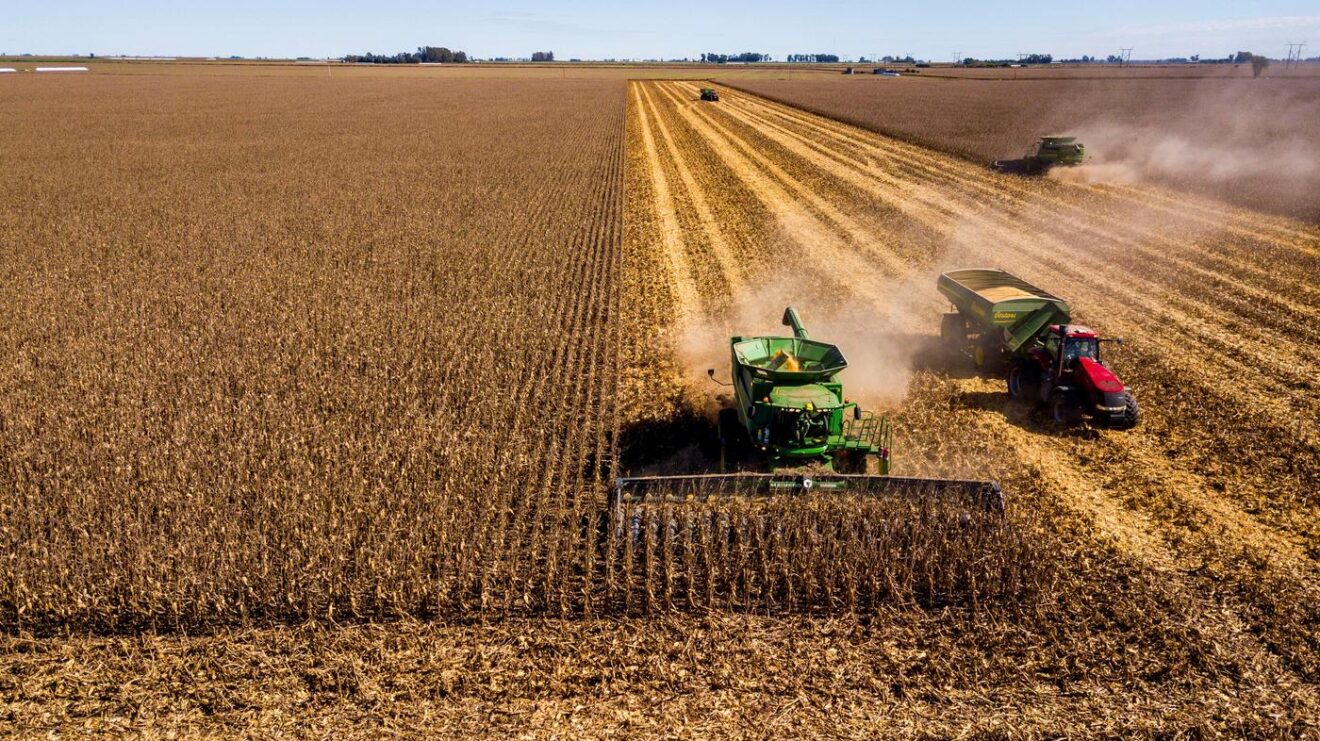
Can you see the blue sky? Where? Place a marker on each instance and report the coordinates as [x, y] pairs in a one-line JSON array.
[[680, 28]]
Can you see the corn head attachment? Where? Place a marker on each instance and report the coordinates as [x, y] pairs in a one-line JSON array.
[[970, 496]]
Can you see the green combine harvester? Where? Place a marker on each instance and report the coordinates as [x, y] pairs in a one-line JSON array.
[[1051, 151], [789, 429], [710, 94]]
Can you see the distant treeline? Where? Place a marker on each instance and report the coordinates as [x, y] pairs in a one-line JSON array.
[[1025, 59], [747, 56], [429, 54], [1242, 57], [814, 58]]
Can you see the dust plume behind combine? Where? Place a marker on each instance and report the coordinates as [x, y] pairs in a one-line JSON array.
[[1251, 139], [881, 355], [1252, 142]]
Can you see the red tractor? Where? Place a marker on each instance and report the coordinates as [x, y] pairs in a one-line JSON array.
[[1002, 319], [1065, 372]]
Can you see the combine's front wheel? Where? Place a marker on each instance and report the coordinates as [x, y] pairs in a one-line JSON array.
[[853, 462]]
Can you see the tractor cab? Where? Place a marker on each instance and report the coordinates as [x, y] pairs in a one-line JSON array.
[[709, 93], [1067, 344]]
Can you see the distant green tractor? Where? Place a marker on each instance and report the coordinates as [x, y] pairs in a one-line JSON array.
[[1051, 151], [709, 93]]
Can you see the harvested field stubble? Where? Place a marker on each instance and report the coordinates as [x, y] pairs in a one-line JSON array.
[[287, 349]]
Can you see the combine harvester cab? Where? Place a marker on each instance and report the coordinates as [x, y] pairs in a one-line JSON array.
[[789, 414], [1001, 319]]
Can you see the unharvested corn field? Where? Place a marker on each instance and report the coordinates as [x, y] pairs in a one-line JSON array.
[[370, 349]]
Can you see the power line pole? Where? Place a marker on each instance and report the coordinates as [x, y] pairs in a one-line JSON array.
[[1294, 54], [1124, 56], [957, 58]]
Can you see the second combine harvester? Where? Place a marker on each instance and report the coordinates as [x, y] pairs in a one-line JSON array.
[[1001, 319]]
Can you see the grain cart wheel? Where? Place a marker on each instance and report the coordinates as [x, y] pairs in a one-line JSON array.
[[1062, 410], [1131, 414], [987, 354], [953, 334], [1023, 380]]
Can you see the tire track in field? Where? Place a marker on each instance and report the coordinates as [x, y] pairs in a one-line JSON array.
[[781, 160], [682, 282], [1032, 195], [1152, 245], [781, 191], [814, 233], [728, 264]]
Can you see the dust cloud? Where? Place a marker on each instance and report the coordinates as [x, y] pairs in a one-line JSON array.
[[1258, 139], [882, 344]]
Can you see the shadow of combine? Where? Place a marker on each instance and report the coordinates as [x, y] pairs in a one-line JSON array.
[[687, 442]]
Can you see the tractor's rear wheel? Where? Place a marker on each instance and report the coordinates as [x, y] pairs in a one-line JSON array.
[[1062, 411], [1023, 381]]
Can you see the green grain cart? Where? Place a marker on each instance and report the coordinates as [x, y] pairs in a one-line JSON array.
[[790, 428], [1001, 319]]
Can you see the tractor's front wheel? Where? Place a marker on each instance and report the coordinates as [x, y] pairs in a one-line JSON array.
[[1131, 414]]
